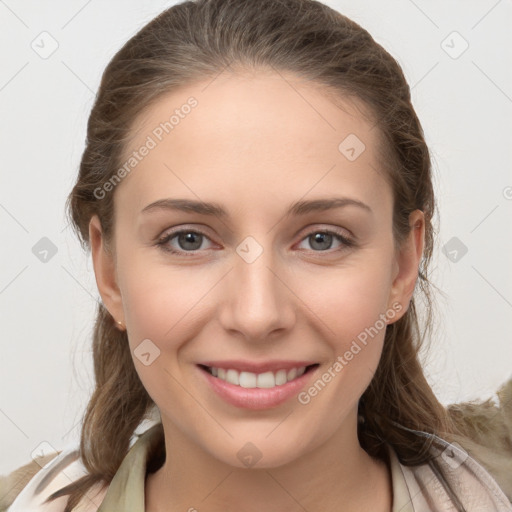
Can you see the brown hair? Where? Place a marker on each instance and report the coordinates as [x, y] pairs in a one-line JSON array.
[[194, 40]]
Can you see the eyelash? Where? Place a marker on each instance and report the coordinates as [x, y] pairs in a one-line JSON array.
[[347, 243]]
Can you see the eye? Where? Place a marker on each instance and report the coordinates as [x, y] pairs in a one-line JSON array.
[[321, 240], [188, 241]]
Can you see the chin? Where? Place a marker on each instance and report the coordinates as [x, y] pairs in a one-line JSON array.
[[259, 454]]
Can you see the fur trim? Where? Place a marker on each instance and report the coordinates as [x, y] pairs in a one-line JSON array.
[[488, 428]]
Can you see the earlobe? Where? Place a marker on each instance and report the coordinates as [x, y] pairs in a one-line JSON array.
[[407, 262], [104, 270]]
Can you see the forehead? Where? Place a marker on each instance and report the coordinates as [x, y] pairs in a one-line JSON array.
[[268, 133]]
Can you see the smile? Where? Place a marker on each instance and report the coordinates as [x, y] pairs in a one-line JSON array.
[[250, 380], [262, 388]]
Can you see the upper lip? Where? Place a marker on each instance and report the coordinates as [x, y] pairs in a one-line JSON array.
[[257, 367]]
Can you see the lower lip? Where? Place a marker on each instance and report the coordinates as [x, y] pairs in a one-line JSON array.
[[257, 398]]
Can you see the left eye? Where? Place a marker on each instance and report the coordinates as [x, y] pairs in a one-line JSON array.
[[322, 240], [192, 241]]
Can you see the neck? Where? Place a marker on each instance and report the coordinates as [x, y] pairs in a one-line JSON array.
[[337, 472]]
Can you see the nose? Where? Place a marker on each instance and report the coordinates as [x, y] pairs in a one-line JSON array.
[[257, 301]]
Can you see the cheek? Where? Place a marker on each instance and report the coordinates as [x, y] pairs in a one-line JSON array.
[[348, 300], [350, 309], [351, 313], [160, 307], [158, 299]]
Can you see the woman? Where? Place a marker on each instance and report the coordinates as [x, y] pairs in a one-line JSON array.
[[280, 349]]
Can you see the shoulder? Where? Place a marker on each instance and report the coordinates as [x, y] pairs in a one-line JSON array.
[[488, 428], [12, 484], [454, 478], [27, 488]]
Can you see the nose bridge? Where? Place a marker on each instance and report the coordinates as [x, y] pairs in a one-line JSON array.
[[258, 301]]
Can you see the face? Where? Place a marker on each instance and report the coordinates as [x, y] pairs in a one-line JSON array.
[[267, 282]]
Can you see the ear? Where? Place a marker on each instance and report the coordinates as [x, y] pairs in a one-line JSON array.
[[407, 262], [104, 270]]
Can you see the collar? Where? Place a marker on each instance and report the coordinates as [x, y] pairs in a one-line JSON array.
[[401, 497], [126, 490]]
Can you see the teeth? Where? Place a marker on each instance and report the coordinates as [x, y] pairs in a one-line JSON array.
[[261, 380], [233, 377], [266, 380], [292, 374], [247, 379], [281, 377]]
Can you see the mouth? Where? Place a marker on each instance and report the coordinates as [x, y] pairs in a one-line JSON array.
[[257, 391], [263, 380]]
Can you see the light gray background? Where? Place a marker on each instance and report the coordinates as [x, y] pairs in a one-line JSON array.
[[465, 106]]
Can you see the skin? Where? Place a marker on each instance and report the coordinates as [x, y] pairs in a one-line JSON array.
[[255, 144]]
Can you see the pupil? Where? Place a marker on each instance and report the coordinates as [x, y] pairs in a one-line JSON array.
[[324, 238], [189, 238]]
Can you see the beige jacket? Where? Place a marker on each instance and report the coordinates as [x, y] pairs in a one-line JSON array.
[[453, 481]]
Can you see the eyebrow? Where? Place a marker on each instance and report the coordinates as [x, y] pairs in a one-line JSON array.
[[215, 209]]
